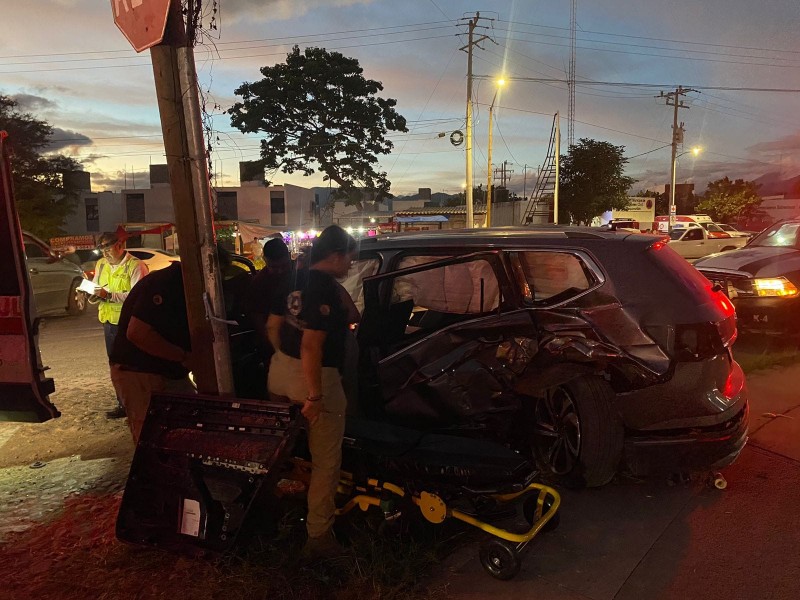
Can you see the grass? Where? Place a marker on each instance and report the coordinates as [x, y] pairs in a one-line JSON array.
[[751, 363], [757, 353], [77, 556]]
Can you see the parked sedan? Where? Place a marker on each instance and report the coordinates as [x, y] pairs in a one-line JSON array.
[[584, 348], [762, 279], [154, 258], [54, 279], [732, 231]]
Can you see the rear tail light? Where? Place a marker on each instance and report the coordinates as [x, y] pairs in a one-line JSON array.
[[698, 342], [705, 340], [734, 383]]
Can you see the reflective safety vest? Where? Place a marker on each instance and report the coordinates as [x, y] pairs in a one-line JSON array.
[[118, 280]]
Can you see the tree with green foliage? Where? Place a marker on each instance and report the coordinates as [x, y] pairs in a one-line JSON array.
[[725, 200], [592, 181], [44, 198], [318, 110]]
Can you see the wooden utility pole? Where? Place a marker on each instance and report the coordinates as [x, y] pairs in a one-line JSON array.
[[473, 23], [179, 107], [674, 100]]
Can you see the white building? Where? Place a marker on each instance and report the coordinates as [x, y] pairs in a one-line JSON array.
[[96, 211], [287, 206]]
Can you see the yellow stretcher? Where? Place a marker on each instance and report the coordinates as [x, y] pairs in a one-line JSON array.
[[500, 555]]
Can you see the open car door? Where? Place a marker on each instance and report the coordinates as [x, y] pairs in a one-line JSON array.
[[24, 390], [441, 344]]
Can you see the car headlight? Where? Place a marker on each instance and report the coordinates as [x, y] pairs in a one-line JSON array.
[[774, 286]]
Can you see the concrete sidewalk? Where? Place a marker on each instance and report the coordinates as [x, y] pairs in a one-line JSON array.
[[648, 540]]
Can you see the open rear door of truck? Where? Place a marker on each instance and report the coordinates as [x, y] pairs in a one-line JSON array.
[[24, 390]]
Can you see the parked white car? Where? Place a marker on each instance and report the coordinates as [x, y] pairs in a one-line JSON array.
[[154, 258], [732, 231], [690, 240]]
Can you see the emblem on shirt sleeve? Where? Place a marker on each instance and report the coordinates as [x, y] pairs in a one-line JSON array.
[[158, 300], [324, 309], [294, 303]]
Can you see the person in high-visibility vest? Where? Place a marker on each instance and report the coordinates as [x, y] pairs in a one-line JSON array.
[[115, 274]]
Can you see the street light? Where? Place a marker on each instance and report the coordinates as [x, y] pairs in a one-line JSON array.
[[500, 83], [672, 208]]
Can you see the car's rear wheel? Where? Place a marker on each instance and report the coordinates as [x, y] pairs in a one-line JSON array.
[[726, 248], [76, 302], [577, 434]]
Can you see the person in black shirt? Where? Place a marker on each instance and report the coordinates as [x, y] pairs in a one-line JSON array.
[[308, 330], [265, 288], [152, 348]]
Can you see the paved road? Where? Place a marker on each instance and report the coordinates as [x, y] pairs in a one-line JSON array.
[[649, 540]]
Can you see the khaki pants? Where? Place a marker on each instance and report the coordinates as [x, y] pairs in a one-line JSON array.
[[324, 437], [135, 388]]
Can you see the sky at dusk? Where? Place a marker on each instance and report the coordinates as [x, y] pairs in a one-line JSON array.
[[65, 62]]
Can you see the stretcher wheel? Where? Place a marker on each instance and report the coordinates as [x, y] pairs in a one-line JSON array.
[[529, 509], [500, 559]]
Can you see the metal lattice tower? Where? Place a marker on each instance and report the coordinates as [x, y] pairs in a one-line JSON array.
[[573, 30], [541, 204]]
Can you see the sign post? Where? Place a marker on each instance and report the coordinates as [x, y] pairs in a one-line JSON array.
[[179, 108]]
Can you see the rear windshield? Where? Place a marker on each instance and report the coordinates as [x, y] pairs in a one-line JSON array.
[[675, 264]]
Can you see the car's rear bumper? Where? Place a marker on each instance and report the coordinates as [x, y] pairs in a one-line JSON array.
[[689, 449]]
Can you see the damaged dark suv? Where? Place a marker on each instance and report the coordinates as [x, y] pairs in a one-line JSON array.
[[583, 348]]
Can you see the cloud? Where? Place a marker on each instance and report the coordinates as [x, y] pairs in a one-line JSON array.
[[92, 158], [33, 104], [65, 138], [261, 10], [119, 179], [788, 143]]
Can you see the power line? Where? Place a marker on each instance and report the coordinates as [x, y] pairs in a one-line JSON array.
[[651, 85], [220, 43], [657, 39], [645, 46], [265, 55]]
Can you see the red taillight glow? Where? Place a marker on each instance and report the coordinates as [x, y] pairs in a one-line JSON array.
[[724, 303], [735, 382], [658, 245], [718, 234]]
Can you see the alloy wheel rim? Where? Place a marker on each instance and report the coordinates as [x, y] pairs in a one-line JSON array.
[[80, 300], [557, 431]]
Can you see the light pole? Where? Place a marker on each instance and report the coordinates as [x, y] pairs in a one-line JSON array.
[[672, 208], [500, 83]]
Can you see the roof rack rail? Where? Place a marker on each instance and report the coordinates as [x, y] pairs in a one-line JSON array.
[[583, 234]]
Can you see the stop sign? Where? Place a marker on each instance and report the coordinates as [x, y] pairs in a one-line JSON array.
[[141, 21]]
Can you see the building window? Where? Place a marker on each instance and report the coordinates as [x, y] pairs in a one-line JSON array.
[[134, 208], [227, 207], [92, 215], [277, 208]]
